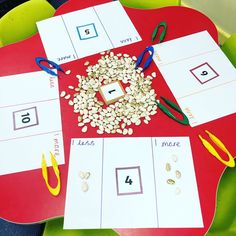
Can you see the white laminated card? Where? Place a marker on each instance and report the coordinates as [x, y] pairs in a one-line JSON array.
[[30, 121], [86, 32], [200, 76], [125, 183]]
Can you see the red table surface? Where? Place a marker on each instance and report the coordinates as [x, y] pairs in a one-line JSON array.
[[24, 197]]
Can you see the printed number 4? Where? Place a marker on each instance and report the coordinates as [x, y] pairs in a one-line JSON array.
[[128, 180]]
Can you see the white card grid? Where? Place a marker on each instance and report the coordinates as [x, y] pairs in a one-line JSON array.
[[28, 104], [86, 32], [112, 201], [200, 76]]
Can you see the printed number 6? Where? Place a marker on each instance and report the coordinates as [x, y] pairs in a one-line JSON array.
[[204, 73]]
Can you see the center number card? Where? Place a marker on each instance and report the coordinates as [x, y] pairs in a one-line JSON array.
[[131, 183], [86, 32]]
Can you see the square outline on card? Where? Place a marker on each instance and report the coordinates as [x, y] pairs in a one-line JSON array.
[[140, 180], [115, 99], [81, 38], [216, 74], [36, 116]]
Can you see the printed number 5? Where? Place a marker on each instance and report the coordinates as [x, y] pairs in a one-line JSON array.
[[128, 180]]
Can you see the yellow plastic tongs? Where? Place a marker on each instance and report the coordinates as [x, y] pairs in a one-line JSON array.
[[211, 149], [56, 190]]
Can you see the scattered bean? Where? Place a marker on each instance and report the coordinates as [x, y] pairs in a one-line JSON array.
[[174, 158], [154, 75], [71, 103], [84, 187], [168, 167], [84, 129], [136, 107], [177, 191], [63, 93], [67, 96], [178, 174], [170, 181], [81, 174]]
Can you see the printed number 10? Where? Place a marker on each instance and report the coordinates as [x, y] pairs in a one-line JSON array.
[[25, 118]]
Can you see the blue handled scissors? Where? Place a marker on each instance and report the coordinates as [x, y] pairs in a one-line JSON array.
[[46, 69], [150, 48]]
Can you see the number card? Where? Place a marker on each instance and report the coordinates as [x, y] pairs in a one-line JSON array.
[[133, 183], [112, 92], [26, 110], [204, 73], [200, 76], [86, 32], [128, 180], [25, 118]]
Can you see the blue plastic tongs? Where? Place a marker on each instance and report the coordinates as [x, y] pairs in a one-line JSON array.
[[45, 68], [150, 48], [148, 61]]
